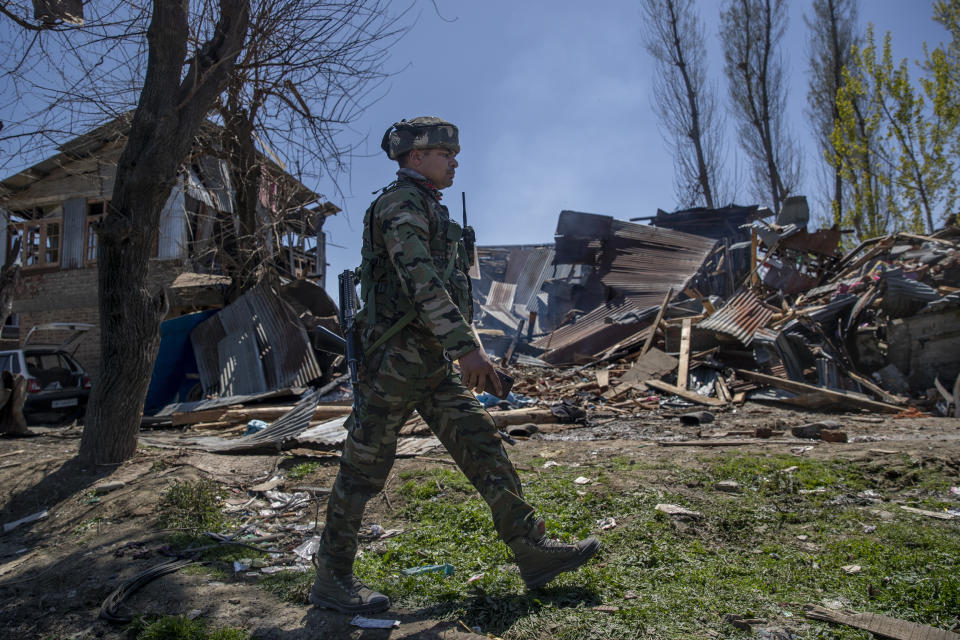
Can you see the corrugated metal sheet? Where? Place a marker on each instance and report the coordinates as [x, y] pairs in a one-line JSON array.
[[240, 368], [535, 270], [279, 435], [329, 433], [501, 296], [193, 185], [172, 240], [282, 343], [410, 447], [741, 317], [639, 264]]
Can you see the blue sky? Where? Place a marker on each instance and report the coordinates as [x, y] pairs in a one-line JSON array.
[[552, 100]]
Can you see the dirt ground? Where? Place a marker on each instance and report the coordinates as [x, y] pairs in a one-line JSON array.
[[55, 572]]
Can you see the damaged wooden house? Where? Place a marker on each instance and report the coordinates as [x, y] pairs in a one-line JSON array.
[[51, 210]]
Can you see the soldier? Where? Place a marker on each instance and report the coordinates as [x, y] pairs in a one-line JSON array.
[[414, 323]]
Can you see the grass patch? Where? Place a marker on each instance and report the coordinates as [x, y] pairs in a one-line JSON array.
[[182, 628], [302, 470], [788, 538]]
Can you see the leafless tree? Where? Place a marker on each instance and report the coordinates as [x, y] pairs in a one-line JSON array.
[[685, 102], [832, 34], [750, 32], [306, 72], [173, 105]]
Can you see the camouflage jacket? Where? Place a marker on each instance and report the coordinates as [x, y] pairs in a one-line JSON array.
[[413, 257]]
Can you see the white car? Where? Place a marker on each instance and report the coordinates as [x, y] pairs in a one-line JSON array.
[[57, 386]]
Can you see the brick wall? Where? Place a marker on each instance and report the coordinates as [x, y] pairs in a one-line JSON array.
[[70, 295]]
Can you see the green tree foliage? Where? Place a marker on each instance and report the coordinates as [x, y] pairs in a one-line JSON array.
[[895, 141]]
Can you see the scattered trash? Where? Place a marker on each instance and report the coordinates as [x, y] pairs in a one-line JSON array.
[[308, 549], [445, 568], [852, 568], [606, 523], [550, 463], [374, 623], [604, 608], [241, 565], [582, 480], [695, 418], [40, 515], [676, 510], [255, 426], [473, 579], [297, 568], [107, 487], [812, 431], [869, 528]]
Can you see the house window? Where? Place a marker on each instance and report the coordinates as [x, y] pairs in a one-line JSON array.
[[40, 242], [95, 213]]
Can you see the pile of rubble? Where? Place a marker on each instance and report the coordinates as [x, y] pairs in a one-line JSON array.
[[617, 318]]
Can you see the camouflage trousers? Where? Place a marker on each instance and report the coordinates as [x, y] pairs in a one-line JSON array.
[[395, 381]]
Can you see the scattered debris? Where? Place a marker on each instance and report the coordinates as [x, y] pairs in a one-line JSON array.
[[879, 625], [40, 515], [676, 510], [445, 568], [374, 623]]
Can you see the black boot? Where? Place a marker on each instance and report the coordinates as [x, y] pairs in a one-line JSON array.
[[342, 591], [541, 559]]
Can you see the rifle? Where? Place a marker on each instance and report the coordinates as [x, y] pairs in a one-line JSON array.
[[348, 316], [469, 236]]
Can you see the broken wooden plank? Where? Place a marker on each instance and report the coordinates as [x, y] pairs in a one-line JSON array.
[[656, 322], [245, 414], [840, 397], [723, 392], [683, 393], [722, 443], [194, 417], [684, 367], [881, 393], [880, 625], [621, 388], [940, 515], [603, 379]]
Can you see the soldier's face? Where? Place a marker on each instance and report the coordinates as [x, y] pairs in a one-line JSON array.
[[437, 165]]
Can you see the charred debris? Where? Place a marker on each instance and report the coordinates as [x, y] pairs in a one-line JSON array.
[[701, 308]]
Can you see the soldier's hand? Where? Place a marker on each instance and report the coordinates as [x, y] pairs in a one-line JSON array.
[[478, 372]]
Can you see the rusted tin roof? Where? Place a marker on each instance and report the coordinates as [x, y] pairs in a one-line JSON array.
[[638, 265], [741, 317]]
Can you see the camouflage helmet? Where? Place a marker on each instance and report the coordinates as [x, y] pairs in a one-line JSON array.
[[425, 132]]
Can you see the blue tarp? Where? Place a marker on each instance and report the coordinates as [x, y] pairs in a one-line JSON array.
[[175, 372]]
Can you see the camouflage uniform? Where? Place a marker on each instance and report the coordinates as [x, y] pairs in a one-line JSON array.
[[414, 258]]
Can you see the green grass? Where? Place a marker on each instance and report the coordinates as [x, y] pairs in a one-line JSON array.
[[302, 470], [182, 628], [763, 552]]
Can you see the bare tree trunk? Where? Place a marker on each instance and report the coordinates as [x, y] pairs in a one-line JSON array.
[[167, 118]]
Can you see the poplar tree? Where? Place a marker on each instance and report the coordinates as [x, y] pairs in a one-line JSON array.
[[913, 131], [685, 103], [832, 36], [750, 32]]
